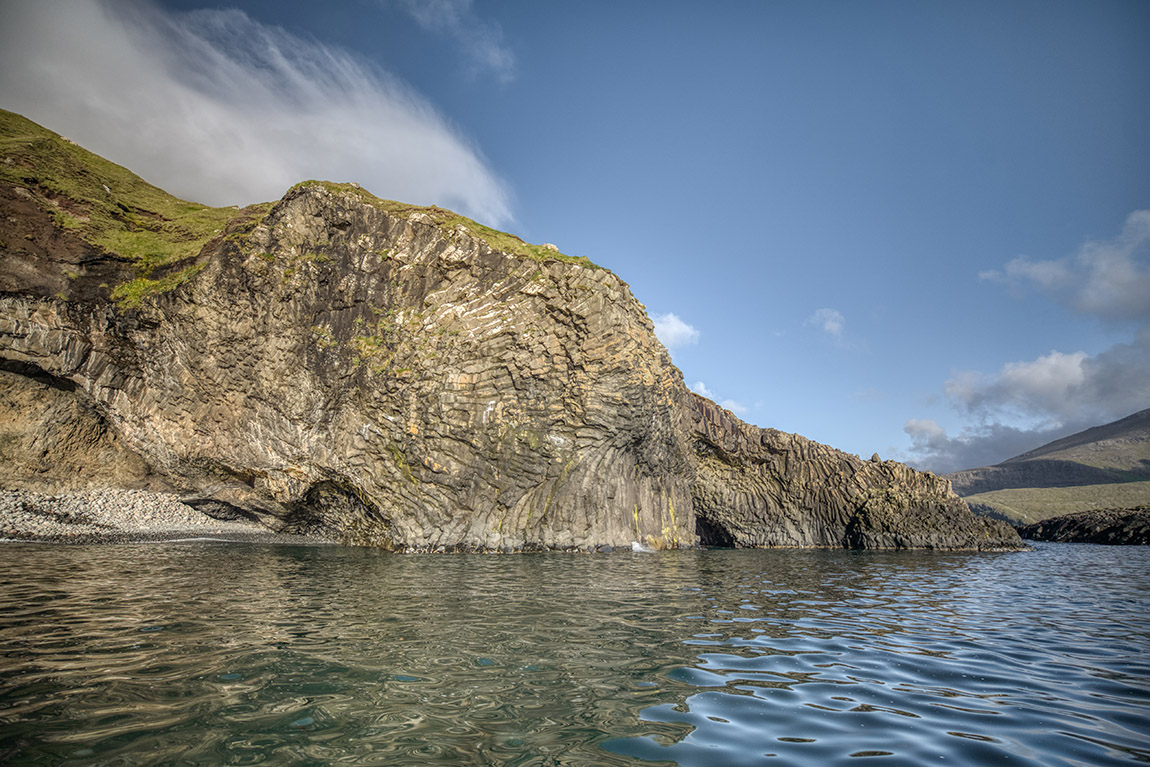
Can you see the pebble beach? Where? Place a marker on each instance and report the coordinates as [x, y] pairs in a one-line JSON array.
[[120, 516]]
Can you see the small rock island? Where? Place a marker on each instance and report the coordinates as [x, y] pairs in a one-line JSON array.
[[388, 375]]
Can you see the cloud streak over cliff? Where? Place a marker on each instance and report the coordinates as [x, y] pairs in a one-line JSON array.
[[217, 107]]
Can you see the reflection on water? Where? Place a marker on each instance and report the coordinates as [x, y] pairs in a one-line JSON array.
[[246, 654]]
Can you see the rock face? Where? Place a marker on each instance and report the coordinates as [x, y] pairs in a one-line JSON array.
[[761, 487], [400, 384], [400, 377], [1111, 526], [53, 439]]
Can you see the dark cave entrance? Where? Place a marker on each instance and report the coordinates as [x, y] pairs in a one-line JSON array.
[[713, 534]]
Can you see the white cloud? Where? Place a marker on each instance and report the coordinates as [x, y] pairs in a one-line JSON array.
[[673, 332], [481, 41], [219, 108], [1028, 403], [981, 445], [1046, 386], [925, 432], [737, 408], [701, 388], [1109, 279], [734, 406], [831, 321], [1025, 405]]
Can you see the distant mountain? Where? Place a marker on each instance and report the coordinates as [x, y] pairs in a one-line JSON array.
[[1105, 466]]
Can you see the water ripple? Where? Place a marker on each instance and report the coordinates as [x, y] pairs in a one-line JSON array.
[[245, 654]]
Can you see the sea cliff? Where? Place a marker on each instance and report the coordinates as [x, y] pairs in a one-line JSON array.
[[387, 375]]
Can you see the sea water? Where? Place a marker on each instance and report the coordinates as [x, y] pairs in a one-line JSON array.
[[210, 653]]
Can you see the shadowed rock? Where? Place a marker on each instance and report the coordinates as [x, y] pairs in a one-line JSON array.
[[1110, 526]]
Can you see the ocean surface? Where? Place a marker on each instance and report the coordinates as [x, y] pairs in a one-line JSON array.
[[212, 653]]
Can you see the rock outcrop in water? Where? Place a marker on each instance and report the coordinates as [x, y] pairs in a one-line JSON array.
[[1109, 526], [762, 487], [392, 376]]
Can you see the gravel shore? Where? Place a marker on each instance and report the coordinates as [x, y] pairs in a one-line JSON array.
[[120, 516]]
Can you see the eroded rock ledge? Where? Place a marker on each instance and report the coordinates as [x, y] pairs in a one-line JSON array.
[[1108, 526], [761, 487], [387, 377]]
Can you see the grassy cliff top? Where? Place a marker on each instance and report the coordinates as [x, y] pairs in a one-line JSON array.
[[101, 202], [112, 208], [448, 220]]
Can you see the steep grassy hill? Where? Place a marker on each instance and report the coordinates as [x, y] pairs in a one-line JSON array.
[[1106, 466], [113, 231], [102, 231]]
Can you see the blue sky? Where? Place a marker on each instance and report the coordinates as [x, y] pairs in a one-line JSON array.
[[918, 228]]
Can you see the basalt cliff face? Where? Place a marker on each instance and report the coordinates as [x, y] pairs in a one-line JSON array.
[[398, 377], [761, 487]]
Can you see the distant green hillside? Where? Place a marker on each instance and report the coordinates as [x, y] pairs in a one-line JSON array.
[[1103, 467], [1033, 504]]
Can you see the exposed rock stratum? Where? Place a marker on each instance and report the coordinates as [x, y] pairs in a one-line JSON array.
[[392, 376]]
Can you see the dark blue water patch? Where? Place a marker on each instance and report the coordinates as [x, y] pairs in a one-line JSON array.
[[246, 654]]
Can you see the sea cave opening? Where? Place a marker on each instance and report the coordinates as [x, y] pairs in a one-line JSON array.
[[713, 534]]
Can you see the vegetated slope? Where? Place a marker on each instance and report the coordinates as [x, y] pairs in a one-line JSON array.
[[1024, 505], [387, 374], [1102, 467], [78, 225]]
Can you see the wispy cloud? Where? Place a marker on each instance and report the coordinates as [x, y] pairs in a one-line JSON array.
[[1029, 402], [980, 445], [735, 407], [1109, 279], [673, 332], [701, 388], [481, 41], [219, 108], [738, 408], [830, 321]]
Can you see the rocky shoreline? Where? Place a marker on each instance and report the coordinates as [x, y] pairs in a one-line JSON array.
[[121, 516], [1108, 526]]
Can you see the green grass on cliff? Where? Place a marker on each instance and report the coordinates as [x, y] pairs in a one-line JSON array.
[[105, 204], [448, 221], [112, 208], [1031, 504]]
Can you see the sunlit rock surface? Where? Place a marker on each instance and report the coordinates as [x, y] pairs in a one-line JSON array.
[[385, 375]]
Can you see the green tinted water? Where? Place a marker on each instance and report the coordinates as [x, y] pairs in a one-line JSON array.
[[201, 653]]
